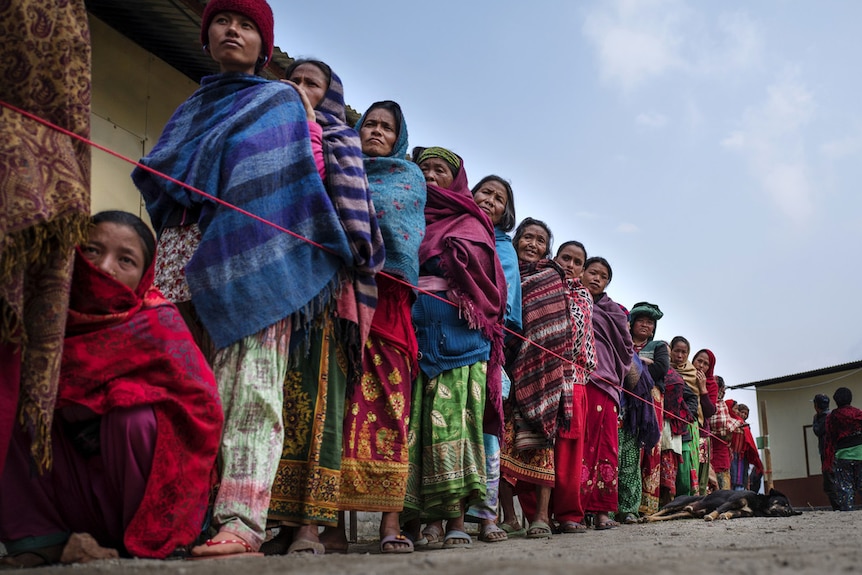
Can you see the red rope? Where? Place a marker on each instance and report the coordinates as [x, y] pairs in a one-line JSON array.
[[111, 152]]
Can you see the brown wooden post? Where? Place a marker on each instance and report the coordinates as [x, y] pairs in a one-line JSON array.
[[767, 454]]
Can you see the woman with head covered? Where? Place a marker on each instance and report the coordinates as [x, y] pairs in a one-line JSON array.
[[245, 140]]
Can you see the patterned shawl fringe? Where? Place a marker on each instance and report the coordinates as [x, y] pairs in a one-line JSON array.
[[35, 244]]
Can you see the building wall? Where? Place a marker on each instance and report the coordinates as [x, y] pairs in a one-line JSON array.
[[134, 95], [788, 411]]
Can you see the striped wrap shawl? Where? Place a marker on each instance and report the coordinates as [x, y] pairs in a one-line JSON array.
[[541, 382], [347, 186], [245, 140]]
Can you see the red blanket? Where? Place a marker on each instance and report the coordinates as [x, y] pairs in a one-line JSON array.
[[126, 349]]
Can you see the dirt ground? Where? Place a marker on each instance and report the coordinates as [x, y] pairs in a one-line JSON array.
[[815, 542]]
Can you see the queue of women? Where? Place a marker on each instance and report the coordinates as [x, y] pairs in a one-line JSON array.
[[231, 389]]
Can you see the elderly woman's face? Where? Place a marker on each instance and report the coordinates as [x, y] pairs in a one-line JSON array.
[[378, 133], [643, 327], [234, 42], [312, 80], [492, 199], [437, 172], [532, 244]]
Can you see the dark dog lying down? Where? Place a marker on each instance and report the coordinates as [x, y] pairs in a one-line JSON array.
[[725, 504]]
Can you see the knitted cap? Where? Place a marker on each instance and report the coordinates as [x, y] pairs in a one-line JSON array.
[[650, 310], [821, 401], [258, 10]]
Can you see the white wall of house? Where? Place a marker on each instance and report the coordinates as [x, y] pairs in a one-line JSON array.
[[133, 96], [789, 412]]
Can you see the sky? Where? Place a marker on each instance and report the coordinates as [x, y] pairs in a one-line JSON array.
[[709, 150]]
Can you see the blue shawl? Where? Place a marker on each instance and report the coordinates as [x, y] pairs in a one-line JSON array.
[[398, 191], [244, 140], [511, 269]]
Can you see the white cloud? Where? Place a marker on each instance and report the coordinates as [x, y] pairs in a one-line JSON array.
[[627, 228], [771, 138], [638, 40], [651, 120]]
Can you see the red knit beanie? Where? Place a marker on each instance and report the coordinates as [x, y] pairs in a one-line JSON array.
[[258, 10]]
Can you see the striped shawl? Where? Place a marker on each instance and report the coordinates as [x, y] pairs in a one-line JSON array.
[[245, 140], [541, 382]]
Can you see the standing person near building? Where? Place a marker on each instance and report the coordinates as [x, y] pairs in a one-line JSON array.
[[329, 361], [722, 426], [614, 352], [743, 449], [643, 319], [822, 411], [843, 448], [45, 199], [374, 461], [457, 396], [250, 303]]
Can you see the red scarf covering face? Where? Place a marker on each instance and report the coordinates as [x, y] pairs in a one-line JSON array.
[[711, 382], [125, 349], [742, 441], [841, 423], [460, 234]]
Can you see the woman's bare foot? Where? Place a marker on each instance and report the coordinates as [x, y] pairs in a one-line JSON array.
[[334, 539], [224, 543]]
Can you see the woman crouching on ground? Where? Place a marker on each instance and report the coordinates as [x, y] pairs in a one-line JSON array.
[[138, 418]]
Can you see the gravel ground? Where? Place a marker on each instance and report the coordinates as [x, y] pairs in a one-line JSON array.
[[808, 543]]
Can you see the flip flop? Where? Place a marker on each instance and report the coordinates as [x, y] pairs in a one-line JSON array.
[[421, 542], [609, 524], [210, 543], [433, 534], [402, 539], [511, 531], [572, 527], [279, 544], [306, 546], [454, 534], [539, 530], [490, 528]]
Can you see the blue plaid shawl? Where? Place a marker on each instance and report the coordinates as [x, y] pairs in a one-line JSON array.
[[245, 140], [398, 190], [348, 190]]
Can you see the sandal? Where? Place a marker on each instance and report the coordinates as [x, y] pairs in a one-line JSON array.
[[433, 534], [306, 546], [630, 519], [539, 530], [279, 544], [248, 552], [607, 524], [511, 531], [33, 557], [457, 535], [572, 527], [491, 533], [402, 544]]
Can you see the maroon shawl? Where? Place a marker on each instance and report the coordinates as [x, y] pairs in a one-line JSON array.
[[542, 382], [614, 346], [460, 234], [126, 349], [742, 442], [676, 412], [841, 423]]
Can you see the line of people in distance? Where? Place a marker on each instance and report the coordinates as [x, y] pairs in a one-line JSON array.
[[254, 385]]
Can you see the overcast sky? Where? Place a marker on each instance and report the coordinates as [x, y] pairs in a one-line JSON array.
[[709, 150]]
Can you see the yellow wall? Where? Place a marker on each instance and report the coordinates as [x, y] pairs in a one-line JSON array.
[[789, 410], [134, 94]]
